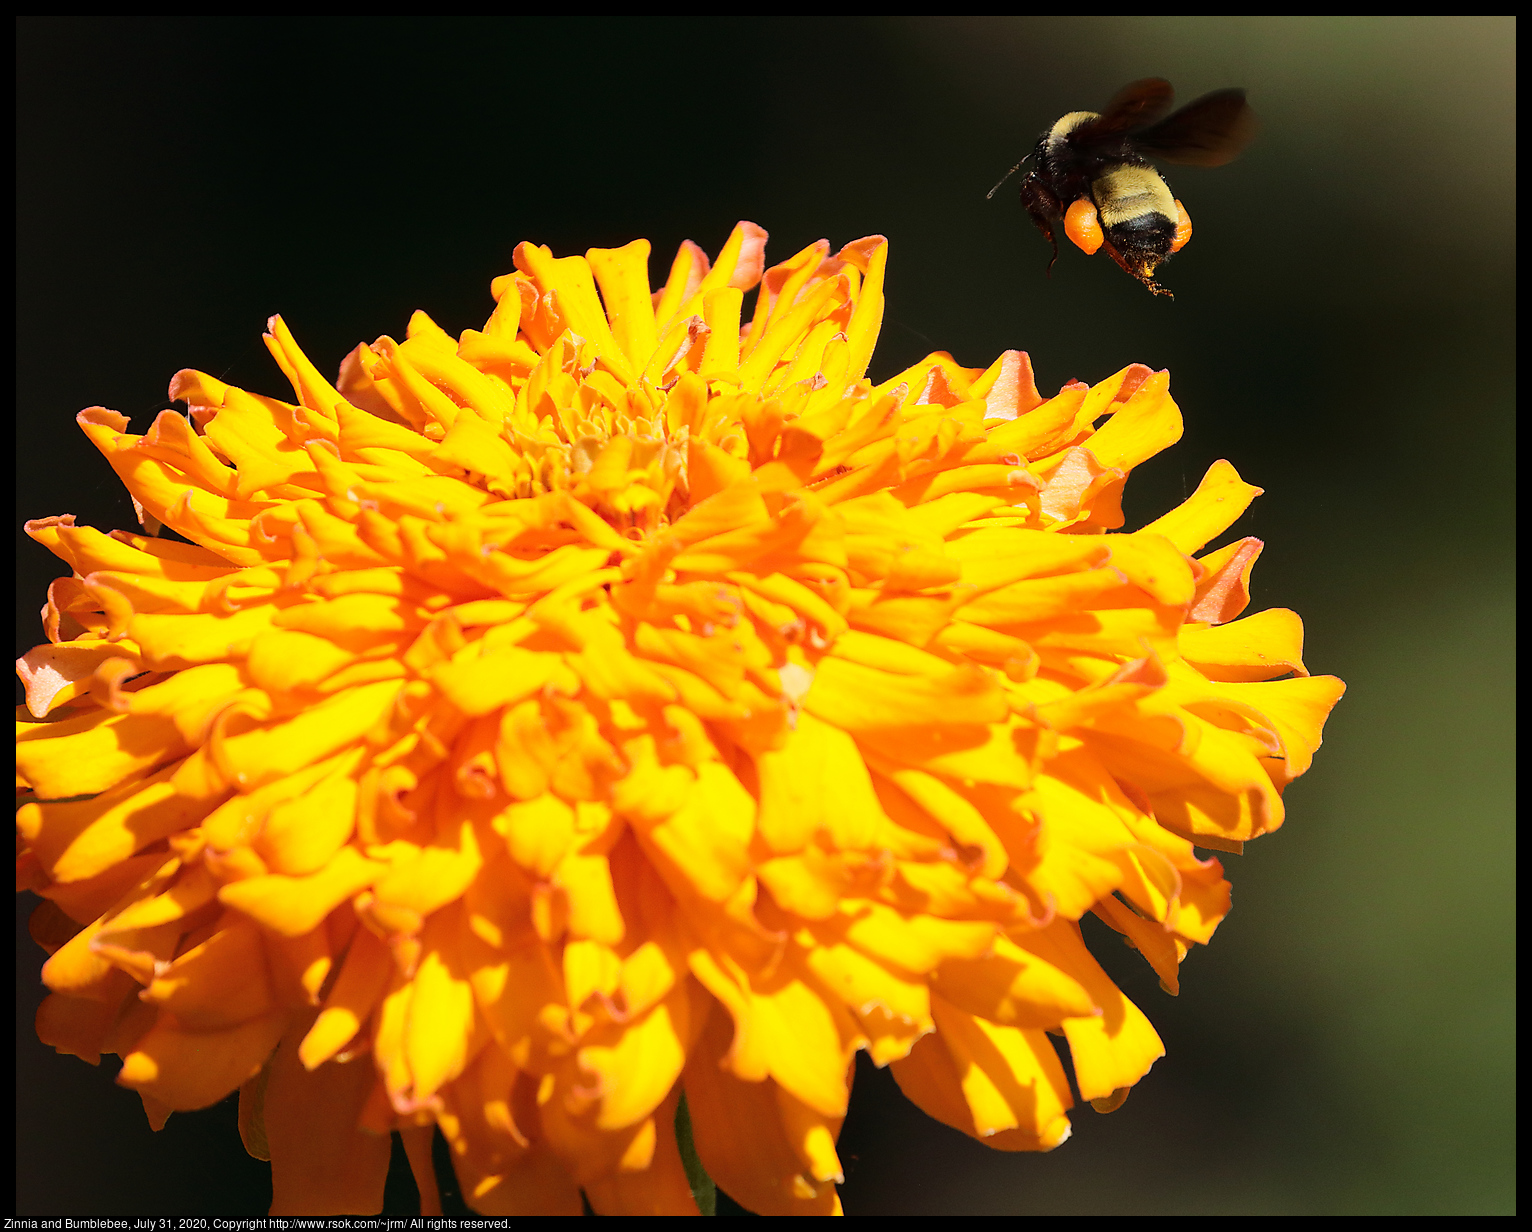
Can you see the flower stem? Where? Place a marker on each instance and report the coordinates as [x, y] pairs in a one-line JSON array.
[[704, 1192]]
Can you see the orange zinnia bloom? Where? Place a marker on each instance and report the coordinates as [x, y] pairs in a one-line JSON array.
[[630, 699]]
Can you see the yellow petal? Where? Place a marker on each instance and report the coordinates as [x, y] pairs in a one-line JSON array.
[[1216, 505], [818, 780], [623, 276], [1014, 987], [636, 1063], [83, 839], [295, 905], [1257, 647], [439, 1030], [361, 982], [302, 835], [89, 753], [707, 840], [1112, 1049], [264, 755]]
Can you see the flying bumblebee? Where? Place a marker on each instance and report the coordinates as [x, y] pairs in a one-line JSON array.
[[1093, 172]]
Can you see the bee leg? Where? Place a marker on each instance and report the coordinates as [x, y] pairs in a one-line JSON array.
[[1043, 206]]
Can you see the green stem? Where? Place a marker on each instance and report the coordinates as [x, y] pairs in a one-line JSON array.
[[704, 1192]]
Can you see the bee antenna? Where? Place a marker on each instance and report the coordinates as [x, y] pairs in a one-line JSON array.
[[1004, 178]]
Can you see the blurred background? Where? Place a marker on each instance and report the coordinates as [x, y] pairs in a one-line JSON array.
[[1341, 331]]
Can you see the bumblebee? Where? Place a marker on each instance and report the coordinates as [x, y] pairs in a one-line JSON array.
[[1092, 171]]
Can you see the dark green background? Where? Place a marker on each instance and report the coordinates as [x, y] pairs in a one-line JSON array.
[[1342, 332]]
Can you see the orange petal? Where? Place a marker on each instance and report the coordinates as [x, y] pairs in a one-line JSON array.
[[500, 1170], [661, 1188], [321, 1163], [195, 1069], [218, 984], [740, 1137]]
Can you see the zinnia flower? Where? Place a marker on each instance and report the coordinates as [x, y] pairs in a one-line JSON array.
[[627, 700]]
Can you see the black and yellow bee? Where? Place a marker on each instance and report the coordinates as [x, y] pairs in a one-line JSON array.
[[1093, 172]]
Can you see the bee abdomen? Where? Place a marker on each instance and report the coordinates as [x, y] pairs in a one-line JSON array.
[[1143, 234], [1135, 198]]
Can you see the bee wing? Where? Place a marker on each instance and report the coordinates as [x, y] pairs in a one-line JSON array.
[[1207, 132], [1136, 105]]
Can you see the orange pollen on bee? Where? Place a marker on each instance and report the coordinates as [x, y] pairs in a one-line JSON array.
[[1183, 227], [1083, 226]]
